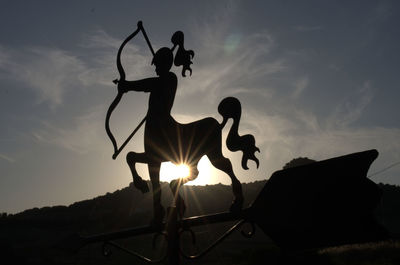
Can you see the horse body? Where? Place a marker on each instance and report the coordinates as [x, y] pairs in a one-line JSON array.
[[179, 143], [182, 143]]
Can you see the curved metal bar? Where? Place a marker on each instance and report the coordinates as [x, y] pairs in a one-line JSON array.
[[133, 253], [156, 235], [192, 234], [184, 225], [118, 97], [251, 232], [219, 240], [110, 110]]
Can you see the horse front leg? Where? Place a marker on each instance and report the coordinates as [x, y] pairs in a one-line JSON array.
[[158, 209], [132, 158]]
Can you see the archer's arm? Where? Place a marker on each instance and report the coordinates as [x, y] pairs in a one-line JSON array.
[[143, 85]]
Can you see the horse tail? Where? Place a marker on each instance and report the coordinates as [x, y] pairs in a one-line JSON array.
[[230, 108]]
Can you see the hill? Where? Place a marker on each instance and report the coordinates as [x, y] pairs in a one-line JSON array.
[[129, 206], [32, 234]]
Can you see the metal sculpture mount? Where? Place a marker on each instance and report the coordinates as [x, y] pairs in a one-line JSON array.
[[325, 203], [165, 139]]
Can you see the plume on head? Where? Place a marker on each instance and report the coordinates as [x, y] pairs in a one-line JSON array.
[[183, 57]]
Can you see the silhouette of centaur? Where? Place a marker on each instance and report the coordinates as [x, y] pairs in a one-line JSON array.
[[167, 140]]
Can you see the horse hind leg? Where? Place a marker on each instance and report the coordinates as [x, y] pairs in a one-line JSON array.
[[175, 186], [224, 164], [132, 158]]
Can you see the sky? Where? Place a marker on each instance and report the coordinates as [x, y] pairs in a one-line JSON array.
[[316, 79]]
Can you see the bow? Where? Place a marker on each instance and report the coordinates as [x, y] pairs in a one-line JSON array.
[[117, 99]]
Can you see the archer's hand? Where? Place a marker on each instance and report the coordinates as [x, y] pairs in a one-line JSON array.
[[122, 86]]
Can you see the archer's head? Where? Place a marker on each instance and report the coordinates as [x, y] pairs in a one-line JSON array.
[[163, 60]]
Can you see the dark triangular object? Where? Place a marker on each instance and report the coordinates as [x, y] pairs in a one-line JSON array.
[[325, 203]]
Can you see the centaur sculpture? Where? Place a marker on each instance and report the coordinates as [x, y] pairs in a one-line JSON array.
[[167, 140]]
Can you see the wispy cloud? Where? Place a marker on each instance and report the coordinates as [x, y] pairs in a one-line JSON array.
[[222, 68], [7, 158], [47, 71], [290, 130], [299, 86], [54, 72], [351, 108], [227, 62], [83, 136], [102, 60], [282, 138]]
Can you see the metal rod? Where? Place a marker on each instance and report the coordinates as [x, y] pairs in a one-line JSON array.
[[173, 237], [213, 245], [140, 25], [215, 218], [120, 234], [148, 229], [133, 253], [114, 156]]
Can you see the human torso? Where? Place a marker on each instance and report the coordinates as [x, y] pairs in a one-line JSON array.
[[161, 99], [160, 129]]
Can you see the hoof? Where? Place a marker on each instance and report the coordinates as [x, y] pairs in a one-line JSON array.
[[236, 205], [141, 185]]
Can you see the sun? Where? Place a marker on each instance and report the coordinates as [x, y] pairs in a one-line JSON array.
[[170, 171]]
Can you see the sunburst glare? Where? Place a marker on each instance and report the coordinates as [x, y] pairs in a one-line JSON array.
[[170, 171]]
